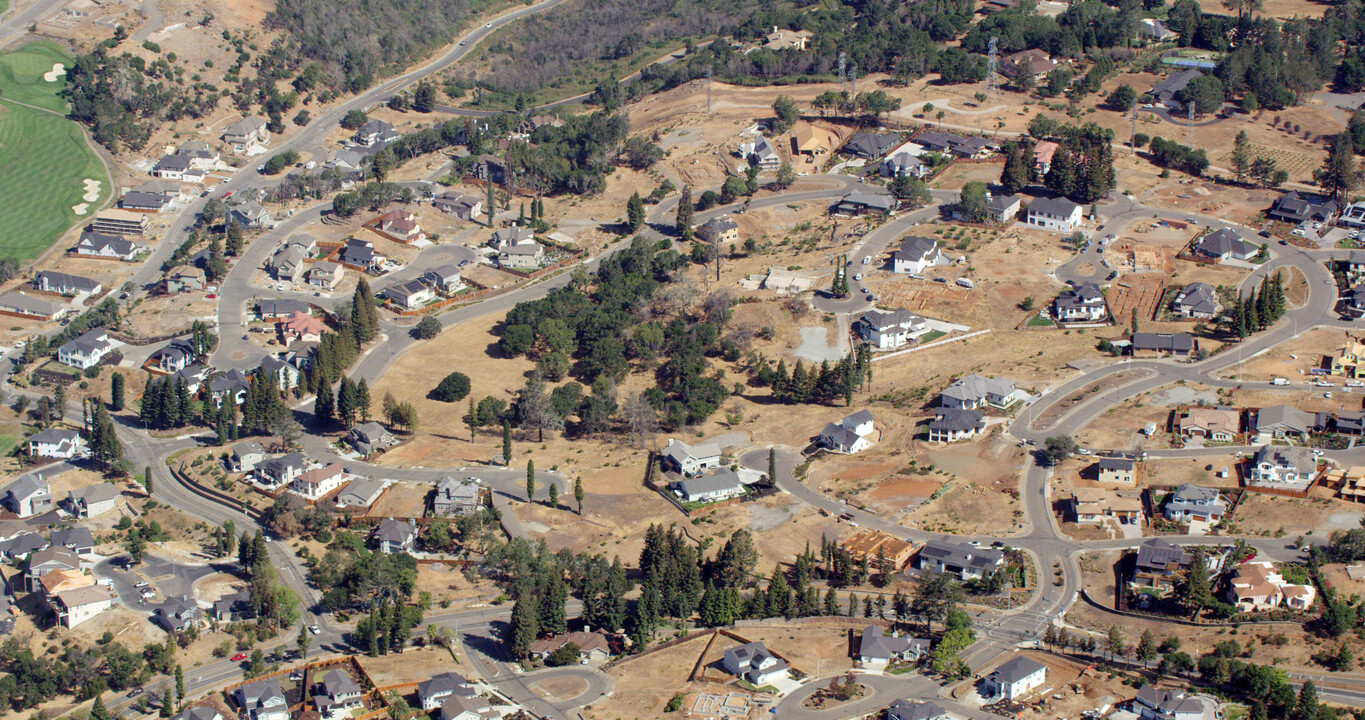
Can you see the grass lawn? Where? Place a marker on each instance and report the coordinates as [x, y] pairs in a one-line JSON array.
[[931, 336], [1040, 321], [8, 442], [45, 154]]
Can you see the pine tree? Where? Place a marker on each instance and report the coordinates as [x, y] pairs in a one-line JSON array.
[[772, 465], [530, 480], [179, 682], [1253, 313], [116, 391], [362, 400], [98, 711], [1307, 706], [364, 316], [346, 402], [324, 408], [506, 443], [472, 419], [1241, 156], [578, 493], [685, 210], [635, 212]]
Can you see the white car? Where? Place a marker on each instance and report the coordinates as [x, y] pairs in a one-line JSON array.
[[1327, 395], [859, 276], [1355, 383], [1298, 232], [314, 629]]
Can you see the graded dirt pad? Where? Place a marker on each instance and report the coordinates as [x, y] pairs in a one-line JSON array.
[[159, 315], [447, 583], [1120, 427], [1176, 471], [1340, 579], [413, 665], [1292, 361], [1136, 292], [214, 587], [402, 499], [645, 684], [1276, 516], [559, 689]]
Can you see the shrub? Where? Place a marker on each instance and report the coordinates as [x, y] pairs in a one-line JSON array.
[[452, 388]]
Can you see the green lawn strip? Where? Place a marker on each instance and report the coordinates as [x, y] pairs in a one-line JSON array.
[[1040, 321], [8, 442], [46, 159], [21, 75], [931, 336]]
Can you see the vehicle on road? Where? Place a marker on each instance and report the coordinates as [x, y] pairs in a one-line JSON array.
[[142, 584], [859, 276], [1355, 383], [134, 692], [314, 629], [1279, 381], [239, 657], [463, 43], [1327, 395], [489, 25], [867, 259], [1082, 451]]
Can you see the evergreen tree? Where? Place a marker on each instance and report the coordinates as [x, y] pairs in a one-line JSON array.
[[553, 499], [1018, 172], [346, 402], [1241, 156], [506, 443], [685, 210], [324, 408], [116, 391], [364, 316], [234, 237], [98, 711], [852, 604], [552, 616], [635, 212], [578, 493], [530, 480], [1253, 313], [362, 400], [1307, 706], [490, 204]]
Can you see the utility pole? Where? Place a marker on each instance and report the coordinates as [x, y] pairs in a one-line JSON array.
[[1189, 129], [1132, 134], [708, 89]]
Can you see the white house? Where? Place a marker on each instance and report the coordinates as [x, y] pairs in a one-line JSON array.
[[903, 709], [1081, 304], [851, 435], [262, 700], [965, 562], [690, 459], [890, 329], [337, 695], [1291, 468], [915, 255], [92, 501], [395, 536], [246, 134], [722, 484], [975, 391], [28, 496], [280, 471], [77, 605], [1194, 502], [753, 662], [431, 693], [55, 443], [1015, 678], [954, 424], [876, 649], [87, 350], [1154, 703], [315, 483], [1055, 214]]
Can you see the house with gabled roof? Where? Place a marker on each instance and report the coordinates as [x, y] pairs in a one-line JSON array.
[[915, 255], [1224, 244], [361, 492], [720, 484], [687, 459], [1154, 703], [374, 132], [337, 695], [876, 649], [1295, 208], [871, 145], [369, 438], [1283, 421], [87, 350], [1015, 678], [47, 560], [28, 496], [92, 501], [78, 539], [1084, 303], [755, 663], [262, 700], [1194, 502], [80, 604], [280, 471], [317, 482], [954, 424], [432, 692], [64, 284], [456, 496], [246, 134], [55, 443], [852, 434], [905, 709], [965, 562], [178, 614], [974, 392], [395, 536], [1287, 468], [890, 329], [101, 245], [1059, 214], [1198, 301]]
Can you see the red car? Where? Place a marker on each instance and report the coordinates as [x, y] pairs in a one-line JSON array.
[[239, 657]]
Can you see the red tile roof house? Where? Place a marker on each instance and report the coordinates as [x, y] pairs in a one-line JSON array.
[[302, 326], [401, 225]]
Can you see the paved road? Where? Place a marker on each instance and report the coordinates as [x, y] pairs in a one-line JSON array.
[[15, 23]]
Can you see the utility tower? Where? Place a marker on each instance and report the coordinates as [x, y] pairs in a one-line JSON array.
[[992, 68], [842, 60]]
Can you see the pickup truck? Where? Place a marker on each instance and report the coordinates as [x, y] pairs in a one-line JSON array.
[[1279, 381]]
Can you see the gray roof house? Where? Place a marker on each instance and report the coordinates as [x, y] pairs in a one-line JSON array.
[[28, 496], [1154, 703], [722, 484], [876, 648], [975, 391], [233, 608], [1224, 244], [851, 434], [456, 496], [282, 470], [262, 700], [178, 613], [915, 255], [1016, 677], [49, 559], [64, 284], [77, 539], [200, 712], [1196, 300], [690, 459], [360, 492], [88, 502], [754, 662], [953, 424], [370, 438], [966, 562], [1194, 502], [1165, 91], [444, 279], [1084, 303], [1295, 207], [872, 145], [275, 309], [859, 203], [1283, 421], [246, 455], [55, 443], [1289, 468], [432, 692], [395, 536], [337, 695], [916, 710]]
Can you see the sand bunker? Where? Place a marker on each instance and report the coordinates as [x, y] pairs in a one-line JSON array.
[[80, 208], [92, 190], [58, 70]]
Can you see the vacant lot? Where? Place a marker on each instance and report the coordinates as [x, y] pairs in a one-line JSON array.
[[1275, 516]]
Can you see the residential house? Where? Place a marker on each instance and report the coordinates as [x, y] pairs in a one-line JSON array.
[[1295, 208], [246, 455], [369, 438], [19, 546], [890, 329], [143, 202], [250, 215], [87, 350], [326, 275], [1194, 502], [401, 225], [284, 374], [522, 257], [77, 605], [337, 695], [1196, 301], [461, 206], [200, 155], [360, 254], [171, 167], [246, 133], [374, 132], [760, 153], [395, 536], [1161, 344], [1284, 421], [720, 484], [593, 647], [200, 712], [1355, 263], [1084, 303], [861, 203], [1350, 359], [1004, 208], [874, 546], [852, 434], [100, 245], [1168, 90], [1015, 678], [904, 709], [915, 255], [1224, 244], [1258, 586], [974, 392], [1033, 62], [174, 356], [59, 581], [783, 39], [876, 649], [1288, 468], [178, 614], [120, 222], [47, 560], [64, 284], [1056, 214], [55, 443], [719, 231], [1348, 423], [92, 501], [755, 663], [871, 145], [904, 163], [17, 303], [1159, 564], [1353, 215], [464, 708], [1217, 423], [456, 496], [262, 700], [511, 237], [1154, 703], [1043, 152], [432, 692], [288, 262], [233, 608], [231, 384], [811, 141], [954, 424], [280, 471], [77, 539], [278, 309], [490, 169], [1092, 506], [411, 294], [689, 460], [185, 279], [314, 484], [1116, 470], [444, 279], [1154, 30], [965, 562], [360, 492], [302, 326], [990, 7], [957, 145]]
